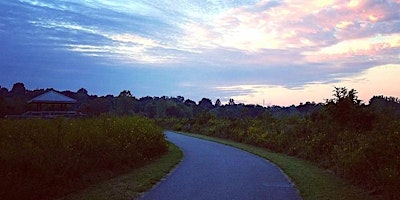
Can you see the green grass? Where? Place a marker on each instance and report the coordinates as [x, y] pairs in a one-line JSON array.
[[311, 181], [134, 183]]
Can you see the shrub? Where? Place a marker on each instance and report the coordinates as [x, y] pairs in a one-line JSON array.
[[45, 158]]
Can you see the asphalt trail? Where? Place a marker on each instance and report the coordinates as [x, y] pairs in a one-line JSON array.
[[211, 170]]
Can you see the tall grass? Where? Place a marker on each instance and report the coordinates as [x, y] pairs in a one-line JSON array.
[[43, 159]]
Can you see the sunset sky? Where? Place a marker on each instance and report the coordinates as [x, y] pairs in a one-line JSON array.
[[276, 52]]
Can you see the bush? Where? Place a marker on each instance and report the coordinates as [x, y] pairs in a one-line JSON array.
[[43, 159], [369, 157]]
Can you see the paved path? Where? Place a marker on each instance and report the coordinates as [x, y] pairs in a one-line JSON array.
[[211, 170]]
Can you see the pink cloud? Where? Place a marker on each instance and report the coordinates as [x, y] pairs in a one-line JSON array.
[[302, 32], [289, 24], [379, 48]]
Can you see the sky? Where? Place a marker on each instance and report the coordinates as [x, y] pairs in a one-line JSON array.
[[262, 52]]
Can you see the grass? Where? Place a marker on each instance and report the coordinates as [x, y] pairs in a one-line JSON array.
[[49, 158], [134, 183], [311, 181]]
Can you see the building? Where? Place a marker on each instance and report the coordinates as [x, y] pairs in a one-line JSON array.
[[52, 104]]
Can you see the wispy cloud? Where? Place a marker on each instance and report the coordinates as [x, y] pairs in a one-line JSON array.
[[126, 47], [380, 47], [309, 31], [296, 24], [234, 46]]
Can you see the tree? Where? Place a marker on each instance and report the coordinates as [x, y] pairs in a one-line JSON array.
[[180, 99], [82, 91], [3, 92], [82, 96], [125, 103], [205, 103], [150, 110], [17, 102], [174, 111], [125, 93], [189, 102], [341, 94], [231, 102], [346, 109], [218, 103], [18, 89]]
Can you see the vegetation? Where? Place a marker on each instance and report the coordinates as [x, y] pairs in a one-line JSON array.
[[345, 136], [357, 142], [43, 159], [134, 183], [312, 182]]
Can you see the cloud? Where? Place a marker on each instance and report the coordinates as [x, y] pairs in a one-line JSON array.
[[217, 45], [380, 80], [380, 48], [293, 24], [290, 44], [261, 33], [126, 47]]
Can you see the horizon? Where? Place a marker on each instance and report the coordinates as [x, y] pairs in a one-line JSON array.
[[263, 104], [261, 52]]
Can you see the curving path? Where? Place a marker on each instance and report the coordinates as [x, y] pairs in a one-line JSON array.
[[211, 170]]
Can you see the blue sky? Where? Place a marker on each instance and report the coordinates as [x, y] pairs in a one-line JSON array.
[[277, 52]]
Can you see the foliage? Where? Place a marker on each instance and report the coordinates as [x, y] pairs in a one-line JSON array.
[[355, 141], [134, 183], [47, 158], [312, 182]]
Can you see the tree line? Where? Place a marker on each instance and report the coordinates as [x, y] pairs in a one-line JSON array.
[[14, 102], [357, 141]]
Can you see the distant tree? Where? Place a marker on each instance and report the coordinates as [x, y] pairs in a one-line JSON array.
[[174, 111], [69, 94], [82, 91], [189, 102], [308, 107], [81, 96], [3, 107], [218, 103], [180, 99], [125, 93], [255, 110], [16, 102], [96, 106], [386, 108], [3, 92], [150, 110], [341, 94], [162, 105], [231, 102], [205, 103], [18, 89], [125, 103], [346, 109]]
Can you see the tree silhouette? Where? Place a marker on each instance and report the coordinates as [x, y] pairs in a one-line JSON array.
[[189, 102], [231, 102], [205, 103], [346, 109], [125, 103], [18, 89], [218, 103]]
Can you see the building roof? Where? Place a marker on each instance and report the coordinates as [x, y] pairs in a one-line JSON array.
[[52, 97]]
